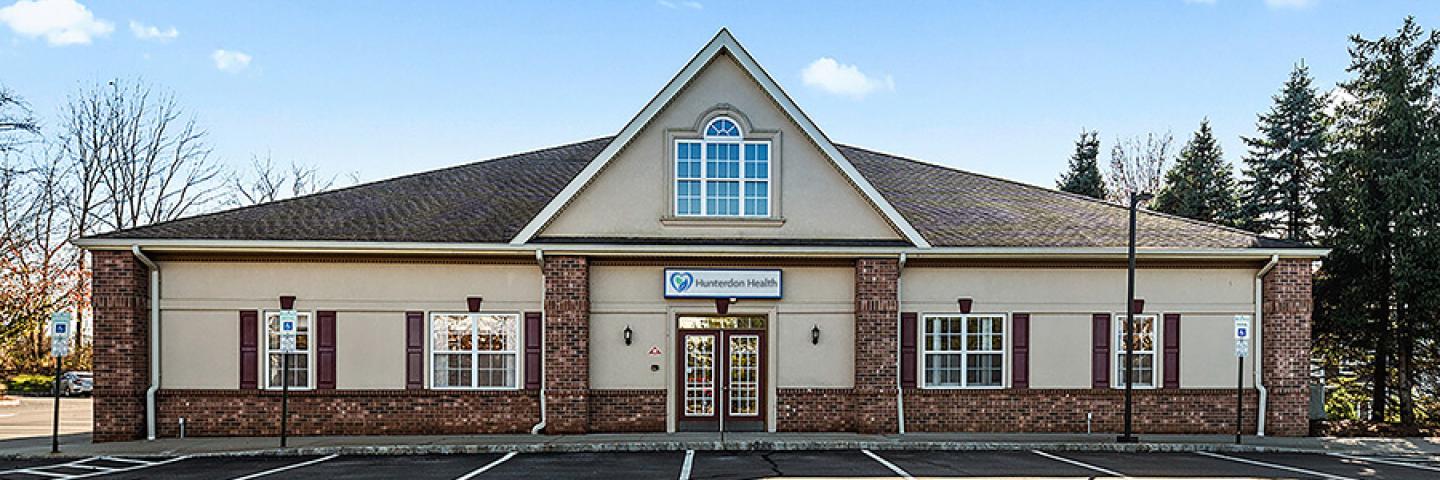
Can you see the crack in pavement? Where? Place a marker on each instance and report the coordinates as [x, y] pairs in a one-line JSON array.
[[774, 467]]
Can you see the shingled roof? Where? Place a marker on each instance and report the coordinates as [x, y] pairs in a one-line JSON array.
[[490, 201]]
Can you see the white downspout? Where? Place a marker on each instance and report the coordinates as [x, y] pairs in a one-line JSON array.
[[540, 261], [154, 341], [1259, 342], [899, 351]]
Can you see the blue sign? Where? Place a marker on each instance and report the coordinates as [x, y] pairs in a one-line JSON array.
[[722, 283]]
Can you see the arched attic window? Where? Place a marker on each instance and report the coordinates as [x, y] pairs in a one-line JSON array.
[[721, 174]]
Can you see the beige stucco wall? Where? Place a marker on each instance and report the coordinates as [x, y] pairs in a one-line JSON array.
[[369, 350], [632, 295], [1062, 300], [200, 303], [632, 194], [1207, 352], [1059, 351], [201, 349]]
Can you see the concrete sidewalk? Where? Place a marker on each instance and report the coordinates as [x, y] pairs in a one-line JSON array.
[[80, 445]]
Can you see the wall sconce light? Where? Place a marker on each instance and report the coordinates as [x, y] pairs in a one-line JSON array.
[[473, 303], [965, 304], [722, 305], [1139, 306], [287, 302], [629, 335], [815, 335]]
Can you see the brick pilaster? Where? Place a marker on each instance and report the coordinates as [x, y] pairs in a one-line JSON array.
[[1286, 309], [876, 312], [567, 344], [122, 354]]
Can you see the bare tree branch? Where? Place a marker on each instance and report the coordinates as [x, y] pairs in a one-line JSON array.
[[1138, 165]]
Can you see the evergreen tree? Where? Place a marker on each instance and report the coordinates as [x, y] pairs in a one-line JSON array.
[[1200, 185], [1279, 174], [1083, 177], [1379, 210]]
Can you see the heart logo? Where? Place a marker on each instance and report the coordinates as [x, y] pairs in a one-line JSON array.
[[681, 281]]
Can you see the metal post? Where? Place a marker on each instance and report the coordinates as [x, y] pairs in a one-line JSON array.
[[55, 432], [1239, 399], [1129, 334], [284, 396]]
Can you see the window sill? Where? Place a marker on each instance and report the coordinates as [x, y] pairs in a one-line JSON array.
[[723, 222]]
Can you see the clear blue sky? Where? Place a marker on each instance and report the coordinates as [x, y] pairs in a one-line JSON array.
[[386, 88]]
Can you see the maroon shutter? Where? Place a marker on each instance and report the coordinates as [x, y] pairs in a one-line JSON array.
[[1171, 361], [249, 349], [1100, 354], [533, 328], [325, 350], [1020, 354], [908, 321], [414, 350]]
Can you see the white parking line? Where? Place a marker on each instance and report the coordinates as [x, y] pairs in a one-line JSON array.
[[685, 467], [887, 464], [1388, 462], [81, 465], [487, 467], [287, 467], [1080, 464], [1275, 466]]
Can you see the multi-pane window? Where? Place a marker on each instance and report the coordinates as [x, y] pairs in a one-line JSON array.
[[474, 350], [1144, 338], [298, 373], [722, 175], [964, 350]]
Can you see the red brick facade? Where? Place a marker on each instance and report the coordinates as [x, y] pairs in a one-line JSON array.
[[122, 359], [567, 344], [877, 310], [627, 410], [814, 410], [347, 412], [1286, 338], [121, 313], [1064, 410]]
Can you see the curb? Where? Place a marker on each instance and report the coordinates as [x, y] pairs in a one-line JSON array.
[[678, 446]]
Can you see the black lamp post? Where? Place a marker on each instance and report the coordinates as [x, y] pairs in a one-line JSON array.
[[1129, 437]]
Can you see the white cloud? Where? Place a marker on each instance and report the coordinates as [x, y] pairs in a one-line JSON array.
[[841, 79], [230, 60], [1292, 4], [61, 22], [686, 4], [151, 32]]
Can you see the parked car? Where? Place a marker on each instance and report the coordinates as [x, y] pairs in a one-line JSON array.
[[77, 383]]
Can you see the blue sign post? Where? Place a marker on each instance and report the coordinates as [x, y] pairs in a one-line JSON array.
[[59, 347]]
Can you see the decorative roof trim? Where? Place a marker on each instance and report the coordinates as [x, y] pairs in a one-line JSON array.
[[723, 42]]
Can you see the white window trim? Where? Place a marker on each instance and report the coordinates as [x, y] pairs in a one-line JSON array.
[[1117, 350], [1005, 321], [265, 351], [519, 352], [705, 177]]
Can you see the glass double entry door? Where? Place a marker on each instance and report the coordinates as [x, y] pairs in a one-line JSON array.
[[722, 374]]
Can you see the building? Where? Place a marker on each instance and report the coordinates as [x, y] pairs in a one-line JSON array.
[[718, 264]]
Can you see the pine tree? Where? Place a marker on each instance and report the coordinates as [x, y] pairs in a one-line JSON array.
[[1083, 177], [1200, 185], [1379, 210], [1279, 175]]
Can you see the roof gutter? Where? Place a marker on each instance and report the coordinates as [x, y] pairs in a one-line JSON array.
[[601, 250], [154, 341]]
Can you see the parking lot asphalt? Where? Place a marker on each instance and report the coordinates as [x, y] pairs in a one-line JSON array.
[[717, 465]]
